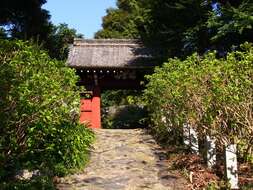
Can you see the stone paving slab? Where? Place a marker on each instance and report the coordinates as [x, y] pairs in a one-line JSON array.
[[127, 159]]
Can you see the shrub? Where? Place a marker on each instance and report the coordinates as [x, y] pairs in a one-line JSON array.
[[124, 117], [42, 183], [213, 95], [39, 104]]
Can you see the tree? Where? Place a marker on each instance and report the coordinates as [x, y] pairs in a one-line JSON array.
[[178, 26], [181, 27], [2, 33], [186, 26], [231, 24], [25, 19], [59, 40], [123, 21]]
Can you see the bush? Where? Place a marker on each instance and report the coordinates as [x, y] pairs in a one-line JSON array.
[[213, 95], [42, 183], [39, 105], [124, 117], [123, 109]]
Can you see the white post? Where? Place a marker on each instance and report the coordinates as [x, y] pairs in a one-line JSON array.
[[231, 166], [211, 151], [186, 134], [194, 140], [190, 138]]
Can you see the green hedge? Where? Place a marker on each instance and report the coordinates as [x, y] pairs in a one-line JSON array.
[[39, 106], [212, 94]]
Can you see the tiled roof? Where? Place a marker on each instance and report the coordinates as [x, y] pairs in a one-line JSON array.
[[109, 53]]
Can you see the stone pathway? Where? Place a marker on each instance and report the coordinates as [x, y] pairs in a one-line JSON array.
[[125, 160]]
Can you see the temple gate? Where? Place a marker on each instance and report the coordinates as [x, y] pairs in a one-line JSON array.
[[104, 64]]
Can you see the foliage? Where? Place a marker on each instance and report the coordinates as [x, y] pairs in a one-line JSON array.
[[25, 19], [231, 23], [2, 33], [178, 26], [43, 183], [120, 97], [59, 40], [30, 21], [123, 21], [124, 117], [122, 109], [39, 104], [212, 95], [181, 27]]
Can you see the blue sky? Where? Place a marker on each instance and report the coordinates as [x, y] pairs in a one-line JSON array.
[[83, 15]]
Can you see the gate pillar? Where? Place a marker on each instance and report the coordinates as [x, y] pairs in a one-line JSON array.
[[90, 108]]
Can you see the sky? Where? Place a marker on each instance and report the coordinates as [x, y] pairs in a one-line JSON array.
[[83, 15]]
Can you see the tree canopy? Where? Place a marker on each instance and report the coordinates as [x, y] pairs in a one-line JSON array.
[[123, 21], [60, 38], [26, 19], [181, 27]]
